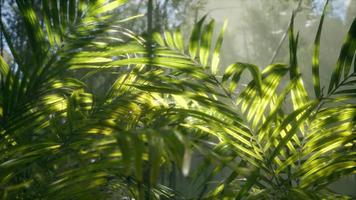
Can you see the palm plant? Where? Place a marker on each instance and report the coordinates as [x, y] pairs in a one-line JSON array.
[[160, 106]]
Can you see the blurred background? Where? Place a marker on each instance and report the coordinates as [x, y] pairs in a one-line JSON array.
[[257, 28]]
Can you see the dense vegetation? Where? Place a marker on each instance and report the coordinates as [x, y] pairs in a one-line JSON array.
[[169, 122]]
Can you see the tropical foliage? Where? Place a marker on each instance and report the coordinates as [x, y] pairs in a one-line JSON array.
[[166, 108]]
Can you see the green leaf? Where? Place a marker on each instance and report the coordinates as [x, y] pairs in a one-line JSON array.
[[63, 5], [71, 13], [250, 182], [326, 171], [205, 43], [195, 38], [345, 58], [52, 36], [169, 39], [187, 158], [216, 55], [269, 89], [178, 40], [299, 93], [158, 38], [98, 8], [294, 120], [17, 58], [156, 146], [267, 124], [33, 27], [4, 68], [315, 61], [236, 70]]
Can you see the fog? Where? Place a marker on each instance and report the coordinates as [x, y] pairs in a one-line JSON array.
[[256, 28]]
